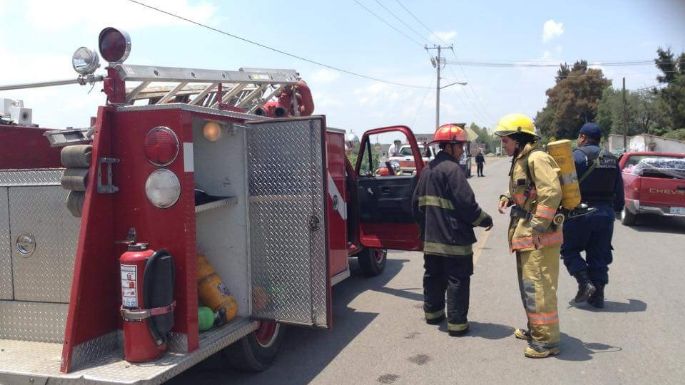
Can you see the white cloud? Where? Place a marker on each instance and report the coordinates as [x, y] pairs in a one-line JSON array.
[[440, 37], [552, 56], [324, 76], [552, 29], [42, 14], [324, 101]]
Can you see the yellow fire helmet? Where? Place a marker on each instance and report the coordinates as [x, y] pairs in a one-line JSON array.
[[513, 123]]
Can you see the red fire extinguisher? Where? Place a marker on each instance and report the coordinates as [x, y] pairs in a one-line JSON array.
[[147, 303]]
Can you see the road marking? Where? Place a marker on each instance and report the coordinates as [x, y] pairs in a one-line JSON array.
[[480, 245]]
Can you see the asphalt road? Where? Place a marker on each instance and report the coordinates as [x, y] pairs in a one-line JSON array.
[[379, 336]]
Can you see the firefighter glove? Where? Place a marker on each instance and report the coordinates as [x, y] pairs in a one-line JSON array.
[[486, 222]]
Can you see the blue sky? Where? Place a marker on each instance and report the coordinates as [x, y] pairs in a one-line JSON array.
[[37, 39]]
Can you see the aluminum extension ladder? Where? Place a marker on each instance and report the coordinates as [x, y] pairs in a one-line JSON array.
[[247, 88]]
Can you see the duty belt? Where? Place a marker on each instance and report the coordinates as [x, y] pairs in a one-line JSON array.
[[582, 209]]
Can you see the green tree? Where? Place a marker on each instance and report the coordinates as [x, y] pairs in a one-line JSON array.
[[485, 138], [644, 113], [673, 94], [572, 101]]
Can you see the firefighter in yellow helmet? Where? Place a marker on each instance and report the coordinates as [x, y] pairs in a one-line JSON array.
[[446, 210], [534, 196]]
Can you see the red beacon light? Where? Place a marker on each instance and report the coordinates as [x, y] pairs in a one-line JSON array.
[[114, 44], [161, 146]]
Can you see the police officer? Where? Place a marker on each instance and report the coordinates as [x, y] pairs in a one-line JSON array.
[[534, 196], [446, 210], [601, 187]]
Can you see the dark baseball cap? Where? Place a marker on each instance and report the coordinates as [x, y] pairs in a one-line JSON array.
[[591, 130]]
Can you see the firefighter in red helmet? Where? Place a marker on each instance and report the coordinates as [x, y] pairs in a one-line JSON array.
[[446, 210]]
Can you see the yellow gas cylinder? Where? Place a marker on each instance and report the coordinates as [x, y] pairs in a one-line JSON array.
[[562, 153], [212, 291]]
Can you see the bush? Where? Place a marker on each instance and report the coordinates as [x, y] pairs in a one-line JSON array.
[[678, 134]]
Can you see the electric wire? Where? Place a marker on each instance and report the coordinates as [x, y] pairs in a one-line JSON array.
[[420, 22], [400, 20], [301, 58], [387, 23], [475, 106], [471, 63], [423, 100], [478, 101]]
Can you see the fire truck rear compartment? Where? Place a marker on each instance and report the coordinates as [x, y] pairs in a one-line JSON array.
[[264, 227]]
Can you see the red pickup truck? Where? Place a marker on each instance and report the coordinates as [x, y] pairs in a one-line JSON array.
[[654, 183]]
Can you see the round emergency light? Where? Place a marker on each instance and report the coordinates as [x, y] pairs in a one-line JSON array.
[[115, 45], [162, 188], [211, 131], [85, 61], [161, 146]]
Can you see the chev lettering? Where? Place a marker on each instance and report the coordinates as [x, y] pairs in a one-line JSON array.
[[654, 190]]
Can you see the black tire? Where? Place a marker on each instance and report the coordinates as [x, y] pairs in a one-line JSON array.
[[372, 261], [255, 354], [628, 218]]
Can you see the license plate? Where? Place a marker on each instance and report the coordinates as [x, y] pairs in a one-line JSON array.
[[678, 210]]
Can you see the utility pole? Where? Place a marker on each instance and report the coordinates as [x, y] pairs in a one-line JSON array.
[[437, 62], [625, 118]]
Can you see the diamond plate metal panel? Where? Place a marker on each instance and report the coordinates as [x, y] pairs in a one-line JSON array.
[[287, 221], [94, 350], [31, 321], [178, 342], [6, 291], [40, 213], [38, 177]]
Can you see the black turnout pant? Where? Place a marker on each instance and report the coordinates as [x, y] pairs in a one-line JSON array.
[[449, 275]]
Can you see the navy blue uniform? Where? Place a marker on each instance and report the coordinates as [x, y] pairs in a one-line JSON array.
[[603, 190]]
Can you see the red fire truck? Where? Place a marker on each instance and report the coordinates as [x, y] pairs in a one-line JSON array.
[[181, 162]]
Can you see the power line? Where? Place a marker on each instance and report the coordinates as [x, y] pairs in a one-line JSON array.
[[388, 24], [342, 70], [476, 105], [533, 64], [400, 20], [478, 112], [478, 102], [419, 21]]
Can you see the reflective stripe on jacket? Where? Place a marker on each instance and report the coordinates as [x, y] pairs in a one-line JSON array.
[[445, 208], [534, 186]]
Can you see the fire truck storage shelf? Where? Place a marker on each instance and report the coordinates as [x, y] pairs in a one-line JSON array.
[[228, 201]]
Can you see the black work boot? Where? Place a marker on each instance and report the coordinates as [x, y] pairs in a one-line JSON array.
[[597, 299], [585, 287]]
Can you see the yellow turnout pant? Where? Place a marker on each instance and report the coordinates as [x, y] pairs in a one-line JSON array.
[[538, 275]]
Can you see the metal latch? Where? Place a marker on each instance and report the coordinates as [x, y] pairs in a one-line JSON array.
[[107, 188], [314, 223], [61, 138]]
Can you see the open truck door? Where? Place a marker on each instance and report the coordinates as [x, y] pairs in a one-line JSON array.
[[385, 214]]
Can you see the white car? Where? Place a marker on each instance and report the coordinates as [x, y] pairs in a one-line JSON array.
[[406, 158]]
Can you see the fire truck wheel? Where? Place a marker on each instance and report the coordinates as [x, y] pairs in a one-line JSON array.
[[256, 351], [372, 261]]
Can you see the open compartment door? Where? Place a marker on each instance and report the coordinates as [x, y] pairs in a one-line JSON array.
[[287, 231]]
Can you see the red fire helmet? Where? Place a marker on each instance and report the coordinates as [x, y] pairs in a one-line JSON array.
[[449, 133]]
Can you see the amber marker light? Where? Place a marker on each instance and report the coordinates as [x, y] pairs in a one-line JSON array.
[[211, 131]]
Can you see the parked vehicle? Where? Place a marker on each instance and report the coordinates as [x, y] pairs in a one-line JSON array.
[[654, 183], [92, 289], [405, 157]]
